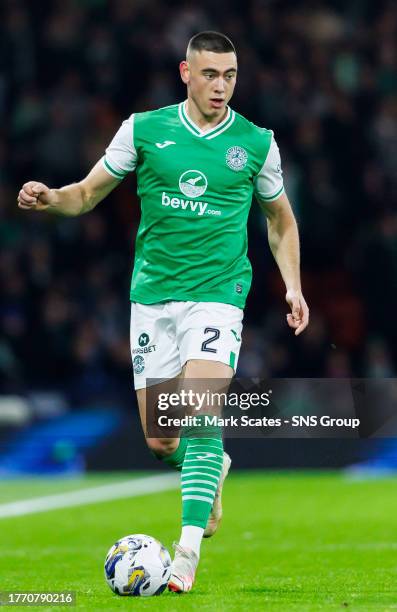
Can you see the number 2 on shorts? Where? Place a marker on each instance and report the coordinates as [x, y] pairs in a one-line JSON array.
[[216, 333]]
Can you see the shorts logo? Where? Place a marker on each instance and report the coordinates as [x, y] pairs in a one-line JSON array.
[[193, 183], [139, 364], [143, 339], [235, 335], [236, 158], [144, 346]]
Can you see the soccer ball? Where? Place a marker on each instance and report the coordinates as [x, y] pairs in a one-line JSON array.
[[138, 565]]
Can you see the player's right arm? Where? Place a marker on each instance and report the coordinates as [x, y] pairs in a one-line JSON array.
[[71, 200], [76, 199]]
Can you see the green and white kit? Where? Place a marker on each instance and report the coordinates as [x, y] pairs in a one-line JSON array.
[[196, 189]]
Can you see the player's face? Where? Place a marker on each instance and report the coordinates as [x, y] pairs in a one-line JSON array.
[[210, 79]]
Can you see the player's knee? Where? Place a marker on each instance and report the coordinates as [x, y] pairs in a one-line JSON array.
[[161, 447]]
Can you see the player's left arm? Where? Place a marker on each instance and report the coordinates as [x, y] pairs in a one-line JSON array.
[[283, 239], [283, 235]]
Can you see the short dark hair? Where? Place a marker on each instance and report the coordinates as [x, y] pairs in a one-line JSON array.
[[211, 41]]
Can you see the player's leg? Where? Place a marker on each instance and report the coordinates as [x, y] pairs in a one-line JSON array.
[[201, 471], [155, 357], [204, 370], [170, 450], [209, 340]]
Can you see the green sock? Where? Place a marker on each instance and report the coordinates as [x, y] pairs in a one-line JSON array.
[[176, 459], [201, 470]]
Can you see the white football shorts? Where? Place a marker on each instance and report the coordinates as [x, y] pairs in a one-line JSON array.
[[165, 336]]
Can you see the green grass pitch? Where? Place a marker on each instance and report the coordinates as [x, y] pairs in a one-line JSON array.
[[289, 541]]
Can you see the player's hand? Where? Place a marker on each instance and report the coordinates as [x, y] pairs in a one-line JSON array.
[[35, 196], [298, 318]]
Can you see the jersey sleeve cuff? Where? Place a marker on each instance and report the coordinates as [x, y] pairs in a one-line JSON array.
[[270, 198], [116, 173]]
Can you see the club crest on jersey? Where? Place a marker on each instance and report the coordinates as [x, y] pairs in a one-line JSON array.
[[236, 158], [193, 183]]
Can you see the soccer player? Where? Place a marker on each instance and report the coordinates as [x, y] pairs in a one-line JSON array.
[[198, 164]]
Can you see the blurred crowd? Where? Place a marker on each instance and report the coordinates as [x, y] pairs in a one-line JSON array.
[[322, 75]]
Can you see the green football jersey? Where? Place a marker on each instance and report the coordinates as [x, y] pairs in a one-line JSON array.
[[196, 190]]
